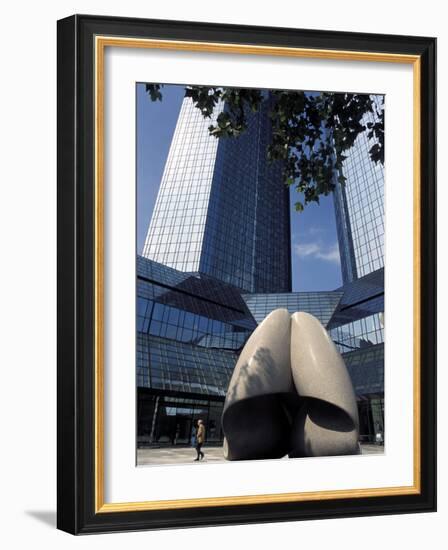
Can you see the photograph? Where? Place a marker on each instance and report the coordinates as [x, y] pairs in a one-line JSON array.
[[260, 266]]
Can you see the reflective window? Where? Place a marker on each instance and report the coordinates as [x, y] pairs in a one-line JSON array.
[[222, 208], [361, 333], [360, 207]]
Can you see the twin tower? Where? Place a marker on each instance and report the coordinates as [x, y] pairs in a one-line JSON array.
[[222, 208]]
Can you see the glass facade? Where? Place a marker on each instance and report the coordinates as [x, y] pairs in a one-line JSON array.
[[357, 325], [359, 207], [361, 298], [247, 233], [178, 367], [358, 321], [361, 333], [176, 231], [167, 420], [320, 304], [222, 208], [190, 328], [366, 369], [357, 329]]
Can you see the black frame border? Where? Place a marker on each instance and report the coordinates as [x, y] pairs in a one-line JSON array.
[[76, 263]]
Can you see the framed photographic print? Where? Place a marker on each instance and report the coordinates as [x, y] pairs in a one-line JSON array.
[[246, 274]]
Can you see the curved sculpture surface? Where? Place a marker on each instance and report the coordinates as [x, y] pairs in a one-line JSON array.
[[327, 423], [255, 420], [290, 393]]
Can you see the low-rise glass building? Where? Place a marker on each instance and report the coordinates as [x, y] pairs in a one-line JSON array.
[[221, 207], [320, 304], [357, 329], [192, 327]]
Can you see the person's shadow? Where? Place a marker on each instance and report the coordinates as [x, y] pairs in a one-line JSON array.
[[44, 516]]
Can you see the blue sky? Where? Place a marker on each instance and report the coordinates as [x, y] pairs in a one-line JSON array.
[[315, 256]]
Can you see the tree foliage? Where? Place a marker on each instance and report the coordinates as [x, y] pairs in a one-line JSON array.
[[310, 131]]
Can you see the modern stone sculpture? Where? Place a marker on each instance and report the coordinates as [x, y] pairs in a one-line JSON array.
[[254, 420], [327, 423], [290, 393]]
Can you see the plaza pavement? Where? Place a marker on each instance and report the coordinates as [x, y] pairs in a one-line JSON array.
[[213, 455]]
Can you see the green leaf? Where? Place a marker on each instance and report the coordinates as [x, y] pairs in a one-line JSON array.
[[310, 131]]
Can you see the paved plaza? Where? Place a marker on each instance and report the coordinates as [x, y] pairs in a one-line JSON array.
[[213, 455]]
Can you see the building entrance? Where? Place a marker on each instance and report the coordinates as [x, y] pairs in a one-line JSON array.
[[371, 419], [170, 421]]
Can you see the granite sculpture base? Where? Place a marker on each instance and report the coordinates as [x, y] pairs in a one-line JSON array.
[[290, 394]]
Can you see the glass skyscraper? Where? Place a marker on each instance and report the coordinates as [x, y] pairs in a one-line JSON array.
[[357, 326], [176, 231], [359, 207], [222, 208]]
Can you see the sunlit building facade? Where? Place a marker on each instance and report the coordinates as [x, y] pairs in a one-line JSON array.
[[176, 231], [357, 329], [359, 207], [190, 329], [222, 208], [357, 326]]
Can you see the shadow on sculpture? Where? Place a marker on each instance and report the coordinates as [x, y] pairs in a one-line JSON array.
[[290, 394]]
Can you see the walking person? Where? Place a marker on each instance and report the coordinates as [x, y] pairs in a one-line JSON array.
[[200, 438]]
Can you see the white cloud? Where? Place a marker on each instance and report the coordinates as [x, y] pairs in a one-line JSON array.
[[315, 230], [318, 251], [309, 249]]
